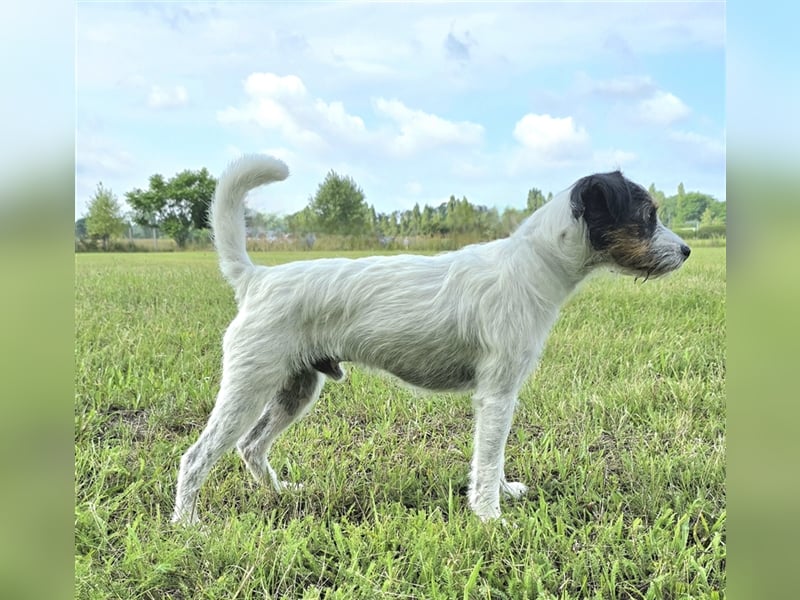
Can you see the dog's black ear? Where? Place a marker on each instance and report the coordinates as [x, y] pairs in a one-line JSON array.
[[600, 197]]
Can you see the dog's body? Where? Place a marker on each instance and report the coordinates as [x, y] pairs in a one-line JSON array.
[[472, 320]]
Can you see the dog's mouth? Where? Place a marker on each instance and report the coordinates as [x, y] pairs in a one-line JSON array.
[[647, 274], [649, 270]]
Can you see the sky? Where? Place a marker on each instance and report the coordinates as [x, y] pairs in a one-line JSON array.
[[415, 102]]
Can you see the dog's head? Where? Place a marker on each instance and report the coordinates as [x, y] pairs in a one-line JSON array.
[[623, 227]]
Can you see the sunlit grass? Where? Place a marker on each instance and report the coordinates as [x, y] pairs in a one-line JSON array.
[[620, 434]]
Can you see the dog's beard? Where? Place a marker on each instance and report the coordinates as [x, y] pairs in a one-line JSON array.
[[653, 271]]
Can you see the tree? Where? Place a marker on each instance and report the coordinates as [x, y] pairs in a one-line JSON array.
[[692, 205], [429, 222], [177, 206], [339, 206], [274, 222], [708, 217], [720, 211], [461, 215], [667, 207], [656, 194], [104, 219], [488, 223], [679, 212], [416, 218], [536, 199], [510, 219], [302, 222], [148, 204], [80, 228]]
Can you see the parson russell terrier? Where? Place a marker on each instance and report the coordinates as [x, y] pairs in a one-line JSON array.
[[471, 320]]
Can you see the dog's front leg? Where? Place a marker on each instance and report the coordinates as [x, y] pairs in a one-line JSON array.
[[493, 414]]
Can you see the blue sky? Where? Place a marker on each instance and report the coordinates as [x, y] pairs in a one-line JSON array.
[[414, 101]]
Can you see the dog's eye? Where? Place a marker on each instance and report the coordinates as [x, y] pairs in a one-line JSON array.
[[653, 214]]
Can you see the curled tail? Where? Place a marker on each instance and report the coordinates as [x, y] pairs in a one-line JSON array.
[[227, 209]]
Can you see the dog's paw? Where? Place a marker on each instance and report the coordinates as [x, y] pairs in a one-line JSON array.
[[491, 517], [185, 519], [486, 511], [513, 489], [288, 486]]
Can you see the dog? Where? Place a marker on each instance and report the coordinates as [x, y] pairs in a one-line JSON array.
[[473, 320]]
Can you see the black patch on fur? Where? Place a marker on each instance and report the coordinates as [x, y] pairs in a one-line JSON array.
[[423, 370], [255, 432], [329, 366], [440, 376], [433, 366], [297, 391], [613, 206], [442, 359]]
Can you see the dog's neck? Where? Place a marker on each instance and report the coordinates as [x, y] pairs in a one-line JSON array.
[[560, 244]]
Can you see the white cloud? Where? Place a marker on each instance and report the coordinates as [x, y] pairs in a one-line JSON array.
[[632, 86], [362, 66], [703, 148], [335, 115], [361, 48], [167, 97], [548, 139], [344, 59], [97, 155], [284, 154], [283, 103], [98, 158], [662, 108], [269, 85], [419, 130]]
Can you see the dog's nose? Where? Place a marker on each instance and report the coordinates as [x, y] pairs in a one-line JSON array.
[[685, 250]]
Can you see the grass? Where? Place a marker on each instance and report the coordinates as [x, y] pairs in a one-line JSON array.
[[620, 434]]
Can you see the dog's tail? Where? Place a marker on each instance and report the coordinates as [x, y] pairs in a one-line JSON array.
[[227, 209]]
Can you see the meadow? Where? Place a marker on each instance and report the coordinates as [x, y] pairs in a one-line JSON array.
[[620, 435]]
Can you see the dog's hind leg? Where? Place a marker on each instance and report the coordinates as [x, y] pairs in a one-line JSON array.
[[289, 405], [493, 415], [234, 411]]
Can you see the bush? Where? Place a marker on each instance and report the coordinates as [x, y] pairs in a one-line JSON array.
[[704, 232], [711, 231], [86, 244], [89, 244]]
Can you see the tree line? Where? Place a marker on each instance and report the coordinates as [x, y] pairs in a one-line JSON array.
[[178, 207]]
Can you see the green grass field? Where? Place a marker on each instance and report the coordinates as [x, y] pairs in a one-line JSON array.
[[620, 435]]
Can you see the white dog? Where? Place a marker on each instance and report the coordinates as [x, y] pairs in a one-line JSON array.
[[471, 320]]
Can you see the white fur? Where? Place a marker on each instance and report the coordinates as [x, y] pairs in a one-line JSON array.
[[483, 311]]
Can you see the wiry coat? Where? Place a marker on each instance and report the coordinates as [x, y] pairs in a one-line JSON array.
[[472, 320]]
